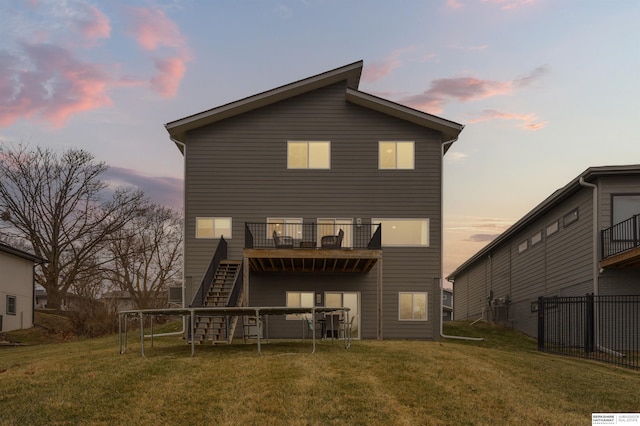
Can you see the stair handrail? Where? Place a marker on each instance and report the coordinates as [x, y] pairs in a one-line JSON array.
[[232, 300], [219, 255]]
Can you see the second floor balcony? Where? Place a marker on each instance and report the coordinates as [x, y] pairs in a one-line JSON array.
[[329, 246], [621, 244]]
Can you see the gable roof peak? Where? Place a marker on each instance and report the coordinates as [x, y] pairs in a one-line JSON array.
[[351, 73]]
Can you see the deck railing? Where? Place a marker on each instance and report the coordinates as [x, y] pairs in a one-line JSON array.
[[621, 237], [310, 235], [203, 290]]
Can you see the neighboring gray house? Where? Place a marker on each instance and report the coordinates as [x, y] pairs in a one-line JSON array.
[[579, 240], [302, 192], [16, 288], [447, 305]]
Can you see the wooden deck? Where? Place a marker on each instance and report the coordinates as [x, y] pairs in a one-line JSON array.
[[312, 260]]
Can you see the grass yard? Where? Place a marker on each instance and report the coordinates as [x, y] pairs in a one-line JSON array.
[[502, 380]]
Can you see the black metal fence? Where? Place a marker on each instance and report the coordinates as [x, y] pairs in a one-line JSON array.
[[310, 235], [602, 328], [621, 237]]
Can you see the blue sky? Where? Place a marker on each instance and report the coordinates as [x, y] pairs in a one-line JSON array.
[[545, 88]]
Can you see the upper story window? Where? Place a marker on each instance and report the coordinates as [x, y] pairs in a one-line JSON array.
[[570, 218], [553, 227], [523, 246], [308, 155], [213, 227], [624, 207], [536, 238], [396, 155], [404, 232]]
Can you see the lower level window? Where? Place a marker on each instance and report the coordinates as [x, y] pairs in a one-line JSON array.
[[413, 307], [299, 299], [11, 305]]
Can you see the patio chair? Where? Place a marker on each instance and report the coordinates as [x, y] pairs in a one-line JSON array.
[[332, 241], [282, 241]]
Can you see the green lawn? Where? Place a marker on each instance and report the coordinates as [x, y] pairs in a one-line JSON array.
[[502, 380]]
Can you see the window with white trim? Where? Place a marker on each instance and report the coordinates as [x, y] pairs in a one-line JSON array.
[[213, 227], [11, 305], [308, 155], [398, 232], [393, 155], [299, 299], [412, 306]]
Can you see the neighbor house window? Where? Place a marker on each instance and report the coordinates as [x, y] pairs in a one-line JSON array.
[[412, 307], [536, 238], [396, 155], [404, 232], [285, 227], [213, 227], [299, 299], [523, 246], [553, 228], [308, 155], [11, 305], [624, 207], [570, 218]]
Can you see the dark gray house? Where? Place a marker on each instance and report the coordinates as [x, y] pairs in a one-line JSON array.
[[299, 195], [583, 239]]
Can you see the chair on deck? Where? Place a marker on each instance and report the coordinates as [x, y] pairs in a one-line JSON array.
[[332, 241], [282, 241]]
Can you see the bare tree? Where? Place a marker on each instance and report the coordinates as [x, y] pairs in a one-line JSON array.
[[147, 256], [58, 203]]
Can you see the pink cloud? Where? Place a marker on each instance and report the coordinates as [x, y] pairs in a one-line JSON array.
[[153, 31], [377, 70], [510, 4], [528, 121], [466, 89], [454, 4], [170, 72], [463, 89], [151, 28], [53, 85], [92, 23]]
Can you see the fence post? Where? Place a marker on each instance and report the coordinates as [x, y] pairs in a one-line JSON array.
[[589, 322], [541, 323]]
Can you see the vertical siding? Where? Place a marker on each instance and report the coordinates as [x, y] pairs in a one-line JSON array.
[[238, 168]]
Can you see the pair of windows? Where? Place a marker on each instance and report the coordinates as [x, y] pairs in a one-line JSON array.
[[412, 306], [392, 155], [213, 227]]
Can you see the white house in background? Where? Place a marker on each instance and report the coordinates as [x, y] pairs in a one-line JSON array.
[[16, 288]]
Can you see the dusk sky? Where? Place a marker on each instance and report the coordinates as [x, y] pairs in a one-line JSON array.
[[545, 88]]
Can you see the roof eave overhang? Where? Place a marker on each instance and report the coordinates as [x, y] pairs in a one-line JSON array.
[[450, 130], [178, 129], [22, 254]]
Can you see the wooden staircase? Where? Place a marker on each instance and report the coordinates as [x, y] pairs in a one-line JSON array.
[[214, 328]]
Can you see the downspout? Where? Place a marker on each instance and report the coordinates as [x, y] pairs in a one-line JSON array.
[[596, 269], [595, 232], [445, 336]]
